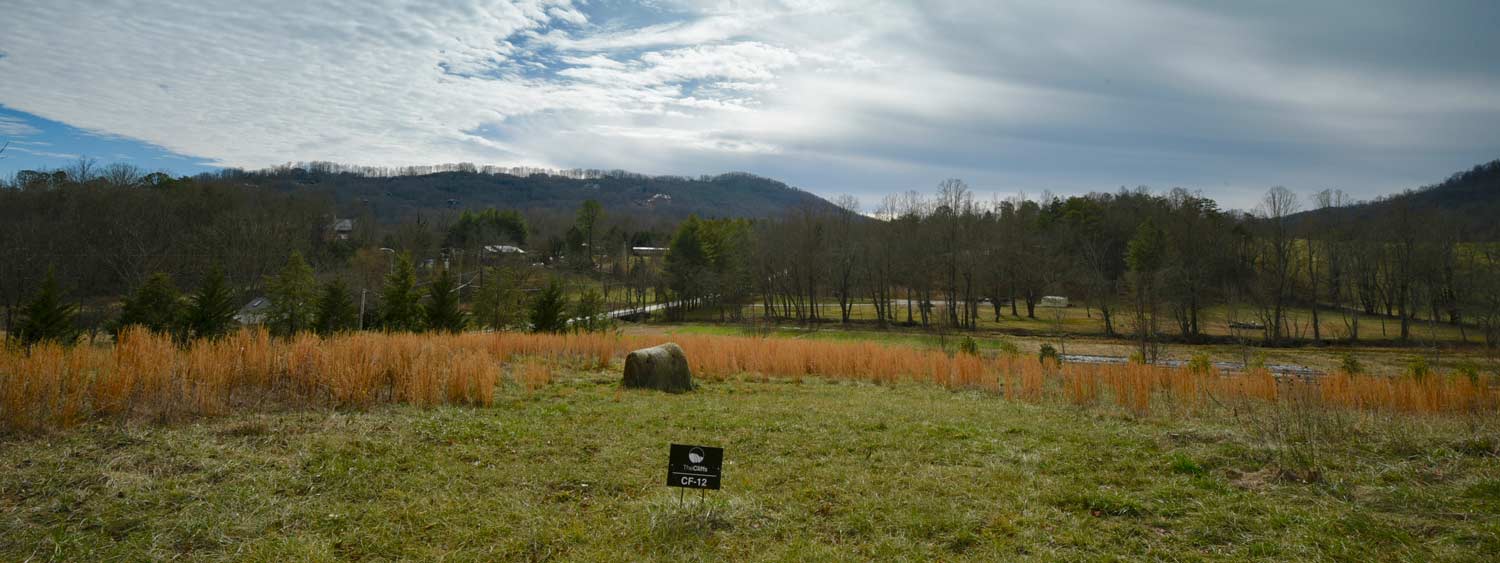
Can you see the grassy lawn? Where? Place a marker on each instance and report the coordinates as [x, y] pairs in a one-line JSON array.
[[814, 471]]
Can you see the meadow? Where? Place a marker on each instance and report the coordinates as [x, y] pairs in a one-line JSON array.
[[1078, 320], [484, 446]]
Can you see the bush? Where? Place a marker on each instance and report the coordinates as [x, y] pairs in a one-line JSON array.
[[1200, 363], [1049, 353], [968, 346], [1350, 364], [1007, 347], [1416, 367], [1468, 368]]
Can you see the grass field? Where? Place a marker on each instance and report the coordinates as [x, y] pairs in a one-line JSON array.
[[821, 470], [1078, 320], [1377, 360], [516, 446]]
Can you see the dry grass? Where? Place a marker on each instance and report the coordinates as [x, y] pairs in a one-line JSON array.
[[148, 376]]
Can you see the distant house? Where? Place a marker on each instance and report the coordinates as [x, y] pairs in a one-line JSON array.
[[648, 251], [503, 249], [254, 312], [1053, 301], [656, 199], [341, 229]]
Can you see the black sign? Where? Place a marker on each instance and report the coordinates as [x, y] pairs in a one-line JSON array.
[[694, 467]]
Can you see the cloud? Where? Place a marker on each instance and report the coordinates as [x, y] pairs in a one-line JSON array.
[[857, 96], [16, 127], [45, 153]]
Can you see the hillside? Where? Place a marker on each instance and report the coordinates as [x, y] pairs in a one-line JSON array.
[[393, 197], [1468, 201]]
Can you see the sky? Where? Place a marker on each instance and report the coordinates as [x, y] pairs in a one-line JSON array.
[[858, 97]]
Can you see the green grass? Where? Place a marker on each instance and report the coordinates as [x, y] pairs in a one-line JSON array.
[[814, 471]]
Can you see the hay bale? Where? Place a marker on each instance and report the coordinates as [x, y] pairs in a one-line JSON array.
[[663, 368]]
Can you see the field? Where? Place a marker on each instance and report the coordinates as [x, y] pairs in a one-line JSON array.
[[1385, 360], [522, 447], [1078, 320]]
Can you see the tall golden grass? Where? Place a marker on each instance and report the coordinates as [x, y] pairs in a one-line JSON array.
[[148, 376]]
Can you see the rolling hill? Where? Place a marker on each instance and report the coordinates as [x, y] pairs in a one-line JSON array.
[[1468, 201], [392, 197]]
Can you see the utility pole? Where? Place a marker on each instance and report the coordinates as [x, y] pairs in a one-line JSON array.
[[362, 292]]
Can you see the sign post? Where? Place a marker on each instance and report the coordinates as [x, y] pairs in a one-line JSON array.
[[694, 467]]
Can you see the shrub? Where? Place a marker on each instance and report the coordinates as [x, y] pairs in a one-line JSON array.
[[1468, 368], [1200, 363], [1416, 367], [1007, 347], [1049, 353], [968, 346], [1350, 364]]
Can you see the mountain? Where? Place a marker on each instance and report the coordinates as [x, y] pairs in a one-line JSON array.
[[392, 197], [1468, 201]]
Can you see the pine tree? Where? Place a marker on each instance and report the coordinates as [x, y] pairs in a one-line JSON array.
[[336, 310], [399, 307], [294, 295], [155, 305], [210, 310], [547, 311], [441, 310], [46, 318]]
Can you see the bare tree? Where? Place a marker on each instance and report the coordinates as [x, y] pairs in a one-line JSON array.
[[1278, 258]]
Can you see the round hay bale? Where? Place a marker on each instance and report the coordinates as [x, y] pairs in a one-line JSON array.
[[664, 368]]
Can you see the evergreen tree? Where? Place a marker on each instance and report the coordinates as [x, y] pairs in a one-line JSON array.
[[155, 305], [336, 310], [399, 307], [210, 310], [46, 318], [441, 310], [294, 295], [548, 311]]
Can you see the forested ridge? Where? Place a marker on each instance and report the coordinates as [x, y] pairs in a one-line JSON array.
[[1147, 265], [1469, 199], [400, 193]]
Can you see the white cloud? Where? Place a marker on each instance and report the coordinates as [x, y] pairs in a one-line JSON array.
[[16, 127], [837, 95]]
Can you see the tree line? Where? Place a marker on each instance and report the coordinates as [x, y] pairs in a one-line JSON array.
[[1150, 266], [1146, 265]]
